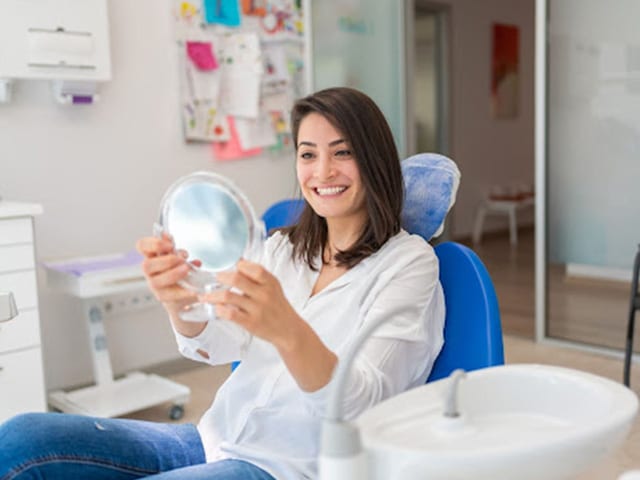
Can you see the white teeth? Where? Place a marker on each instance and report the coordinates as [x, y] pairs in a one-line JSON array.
[[330, 190]]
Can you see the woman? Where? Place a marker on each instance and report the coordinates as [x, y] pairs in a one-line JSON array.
[[345, 264]]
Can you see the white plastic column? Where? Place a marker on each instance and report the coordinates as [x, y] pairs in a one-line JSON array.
[[101, 360]]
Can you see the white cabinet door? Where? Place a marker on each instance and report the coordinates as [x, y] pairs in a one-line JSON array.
[[21, 383]]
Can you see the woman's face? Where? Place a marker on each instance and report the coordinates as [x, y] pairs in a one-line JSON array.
[[327, 171]]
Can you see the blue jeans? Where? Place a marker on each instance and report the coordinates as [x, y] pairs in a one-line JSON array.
[[58, 446]]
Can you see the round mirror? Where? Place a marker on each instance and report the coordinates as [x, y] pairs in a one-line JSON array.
[[212, 220]]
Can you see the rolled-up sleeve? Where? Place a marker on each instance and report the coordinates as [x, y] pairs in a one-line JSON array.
[[220, 342]]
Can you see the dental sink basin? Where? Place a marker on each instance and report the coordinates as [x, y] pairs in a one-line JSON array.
[[524, 422]]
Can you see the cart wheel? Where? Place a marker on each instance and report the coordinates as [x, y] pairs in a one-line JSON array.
[[176, 412]]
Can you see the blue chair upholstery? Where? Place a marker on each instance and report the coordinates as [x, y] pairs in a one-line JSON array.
[[283, 213], [472, 329], [431, 183]]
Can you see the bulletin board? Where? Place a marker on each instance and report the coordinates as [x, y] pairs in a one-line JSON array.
[[241, 66]]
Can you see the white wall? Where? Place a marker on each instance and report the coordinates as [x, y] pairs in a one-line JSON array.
[[488, 151], [100, 171]]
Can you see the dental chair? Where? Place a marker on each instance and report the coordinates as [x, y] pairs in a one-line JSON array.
[[472, 329], [282, 214]]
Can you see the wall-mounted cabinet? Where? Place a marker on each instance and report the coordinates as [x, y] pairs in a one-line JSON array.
[[66, 41]]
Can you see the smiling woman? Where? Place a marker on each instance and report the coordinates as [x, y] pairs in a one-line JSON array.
[[342, 136], [345, 266]]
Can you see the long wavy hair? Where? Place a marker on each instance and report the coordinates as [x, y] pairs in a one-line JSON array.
[[364, 127]]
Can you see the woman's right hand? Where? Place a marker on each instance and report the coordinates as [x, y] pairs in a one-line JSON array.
[[163, 267]]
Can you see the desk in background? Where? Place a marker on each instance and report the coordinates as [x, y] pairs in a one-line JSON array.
[[96, 281]]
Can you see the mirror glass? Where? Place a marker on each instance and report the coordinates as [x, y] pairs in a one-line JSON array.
[[208, 223], [212, 220]]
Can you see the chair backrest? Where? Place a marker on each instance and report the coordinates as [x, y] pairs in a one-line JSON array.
[[283, 213], [472, 329]]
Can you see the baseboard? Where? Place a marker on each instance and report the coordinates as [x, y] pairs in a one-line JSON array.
[[582, 271]]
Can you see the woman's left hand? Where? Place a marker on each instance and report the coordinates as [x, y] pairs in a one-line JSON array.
[[260, 305]]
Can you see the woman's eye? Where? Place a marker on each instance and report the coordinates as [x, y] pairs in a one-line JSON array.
[[306, 155], [343, 153]]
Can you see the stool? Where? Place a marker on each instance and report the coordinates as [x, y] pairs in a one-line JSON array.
[[500, 207]]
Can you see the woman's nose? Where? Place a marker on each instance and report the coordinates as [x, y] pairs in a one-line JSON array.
[[324, 169]]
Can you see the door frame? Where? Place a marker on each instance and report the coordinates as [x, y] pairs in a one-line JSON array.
[[443, 78]]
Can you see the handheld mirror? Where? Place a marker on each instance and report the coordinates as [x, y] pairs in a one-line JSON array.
[[210, 218]]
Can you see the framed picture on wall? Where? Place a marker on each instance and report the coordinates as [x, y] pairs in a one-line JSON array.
[[505, 71]]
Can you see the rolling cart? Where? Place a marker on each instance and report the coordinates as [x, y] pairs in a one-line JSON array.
[[94, 280]]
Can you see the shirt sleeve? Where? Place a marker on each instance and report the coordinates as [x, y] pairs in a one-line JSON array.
[[220, 342], [400, 353]]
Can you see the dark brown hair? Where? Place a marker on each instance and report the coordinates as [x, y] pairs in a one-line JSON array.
[[366, 130]]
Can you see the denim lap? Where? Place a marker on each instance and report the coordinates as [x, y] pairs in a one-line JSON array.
[[221, 470], [57, 446]]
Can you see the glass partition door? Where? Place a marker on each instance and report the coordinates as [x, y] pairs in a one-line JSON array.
[[360, 44], [592, 168]]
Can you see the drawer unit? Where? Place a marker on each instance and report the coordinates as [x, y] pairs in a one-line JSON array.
[[22, 387], [21, 332], [24, 287], [16, 257], [16, 230], [21, 383]]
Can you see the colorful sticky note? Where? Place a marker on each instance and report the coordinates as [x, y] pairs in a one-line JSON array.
[[225, 12], [255, 8], [202, 56], [232, 149]]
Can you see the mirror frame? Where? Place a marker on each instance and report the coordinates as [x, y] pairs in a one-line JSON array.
[[200, 279]]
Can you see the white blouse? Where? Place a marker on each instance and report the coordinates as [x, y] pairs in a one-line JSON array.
[[261, 415]]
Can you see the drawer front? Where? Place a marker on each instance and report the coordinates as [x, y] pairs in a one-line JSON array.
[[16, 230], [24, 288], [21, 383], [20, 332], [16, 257]]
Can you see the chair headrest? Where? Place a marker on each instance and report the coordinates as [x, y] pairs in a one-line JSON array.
[[431, 182]]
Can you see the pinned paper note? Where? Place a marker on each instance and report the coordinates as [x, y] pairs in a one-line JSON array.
[[255, 8], [199, 85], [276, 75], [232, 149], [188, 19], [224, 12], [202, 56], [241, 75], [255, 132], [282, 21], [204, 122]]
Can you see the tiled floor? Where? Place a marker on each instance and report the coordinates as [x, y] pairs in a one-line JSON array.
[[512, 272]]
